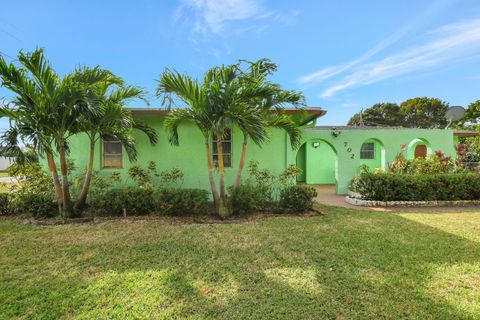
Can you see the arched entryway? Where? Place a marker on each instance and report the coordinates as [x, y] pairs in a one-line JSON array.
[[318, 160], [372, 154], [419, 148]]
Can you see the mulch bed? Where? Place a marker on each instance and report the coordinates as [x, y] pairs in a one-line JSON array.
[[205, 219]]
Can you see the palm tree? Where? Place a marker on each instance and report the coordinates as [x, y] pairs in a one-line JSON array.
[[46, 109], [265, 101], [201, 113], [229, 96], [111, 120]]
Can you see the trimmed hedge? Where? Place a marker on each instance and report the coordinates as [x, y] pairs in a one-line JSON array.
[[405, 187], [249, 197], [145, 200], [177, 202], [296, 198]]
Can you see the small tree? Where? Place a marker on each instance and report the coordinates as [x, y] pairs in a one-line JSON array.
[[111, 120]]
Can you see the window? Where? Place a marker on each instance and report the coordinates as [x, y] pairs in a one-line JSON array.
[[112, 154], [226, 149], [367, 151]]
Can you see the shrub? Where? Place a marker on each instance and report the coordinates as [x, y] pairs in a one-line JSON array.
[[260, 190], [138, 200], [39, 204], [4, 203], [34, 194], [250, 197], [181, 201], [414, 187], [107, 201], [135, 201], [296, 198]]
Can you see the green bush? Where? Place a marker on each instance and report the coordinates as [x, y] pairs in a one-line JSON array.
[[135, 201], [38, 204], [4, 203], [106, 202], [296, 198], [181, 201], [250, 197], [139, 200], [35, 194], [414, 187]]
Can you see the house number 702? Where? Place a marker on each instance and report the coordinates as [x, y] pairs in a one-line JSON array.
[[349, 150]]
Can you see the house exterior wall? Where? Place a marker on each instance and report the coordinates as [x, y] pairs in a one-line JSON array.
[[189, 156], [336, 161], [349, 142]]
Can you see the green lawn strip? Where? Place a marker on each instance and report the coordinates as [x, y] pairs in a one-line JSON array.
[[346, 264]]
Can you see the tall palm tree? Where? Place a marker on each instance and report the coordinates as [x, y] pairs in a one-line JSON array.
[[111, 120], [266, 101], [229, 96], [46, 109], [195, 95]]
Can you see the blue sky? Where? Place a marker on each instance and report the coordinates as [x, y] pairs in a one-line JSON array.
[[344, 55]]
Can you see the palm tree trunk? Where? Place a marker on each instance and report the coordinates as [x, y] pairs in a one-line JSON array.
[[82, 198], [67, 200], [222, 208], [241, 165], [56, 182], [213, 187]]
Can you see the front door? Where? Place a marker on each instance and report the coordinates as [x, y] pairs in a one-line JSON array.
[[320, 163], [421, 151]]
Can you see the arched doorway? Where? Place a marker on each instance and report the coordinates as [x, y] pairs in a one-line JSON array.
[[419, 148], [372, 154], [318, 160]]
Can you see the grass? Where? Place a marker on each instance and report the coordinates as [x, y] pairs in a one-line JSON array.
[[4, 174], [346, 264]]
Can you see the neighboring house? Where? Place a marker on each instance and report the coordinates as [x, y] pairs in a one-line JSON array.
[[328, 155], [5, 162]]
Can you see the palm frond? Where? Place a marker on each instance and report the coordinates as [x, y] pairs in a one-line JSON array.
[[284, 122], [150, 132]]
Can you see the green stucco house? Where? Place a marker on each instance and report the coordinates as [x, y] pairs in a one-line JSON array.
[[328, 155]]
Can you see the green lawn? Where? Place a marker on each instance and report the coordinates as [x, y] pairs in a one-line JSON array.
[[346, 264]]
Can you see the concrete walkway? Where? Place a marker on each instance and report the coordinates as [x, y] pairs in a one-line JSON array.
[[8, 180], [327, 196]]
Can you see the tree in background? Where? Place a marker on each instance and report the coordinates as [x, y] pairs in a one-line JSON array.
[[420, 112], [379, 115], [424, 113], [471, 120]]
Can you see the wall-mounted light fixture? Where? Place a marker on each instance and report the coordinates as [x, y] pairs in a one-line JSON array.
[[316, 144], [335, 132]]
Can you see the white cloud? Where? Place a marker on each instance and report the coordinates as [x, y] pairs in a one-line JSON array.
[[413, 24], [446, 44], [331, 71], [215, 16]]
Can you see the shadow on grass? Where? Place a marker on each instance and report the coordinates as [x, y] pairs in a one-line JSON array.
[[348, 264]]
